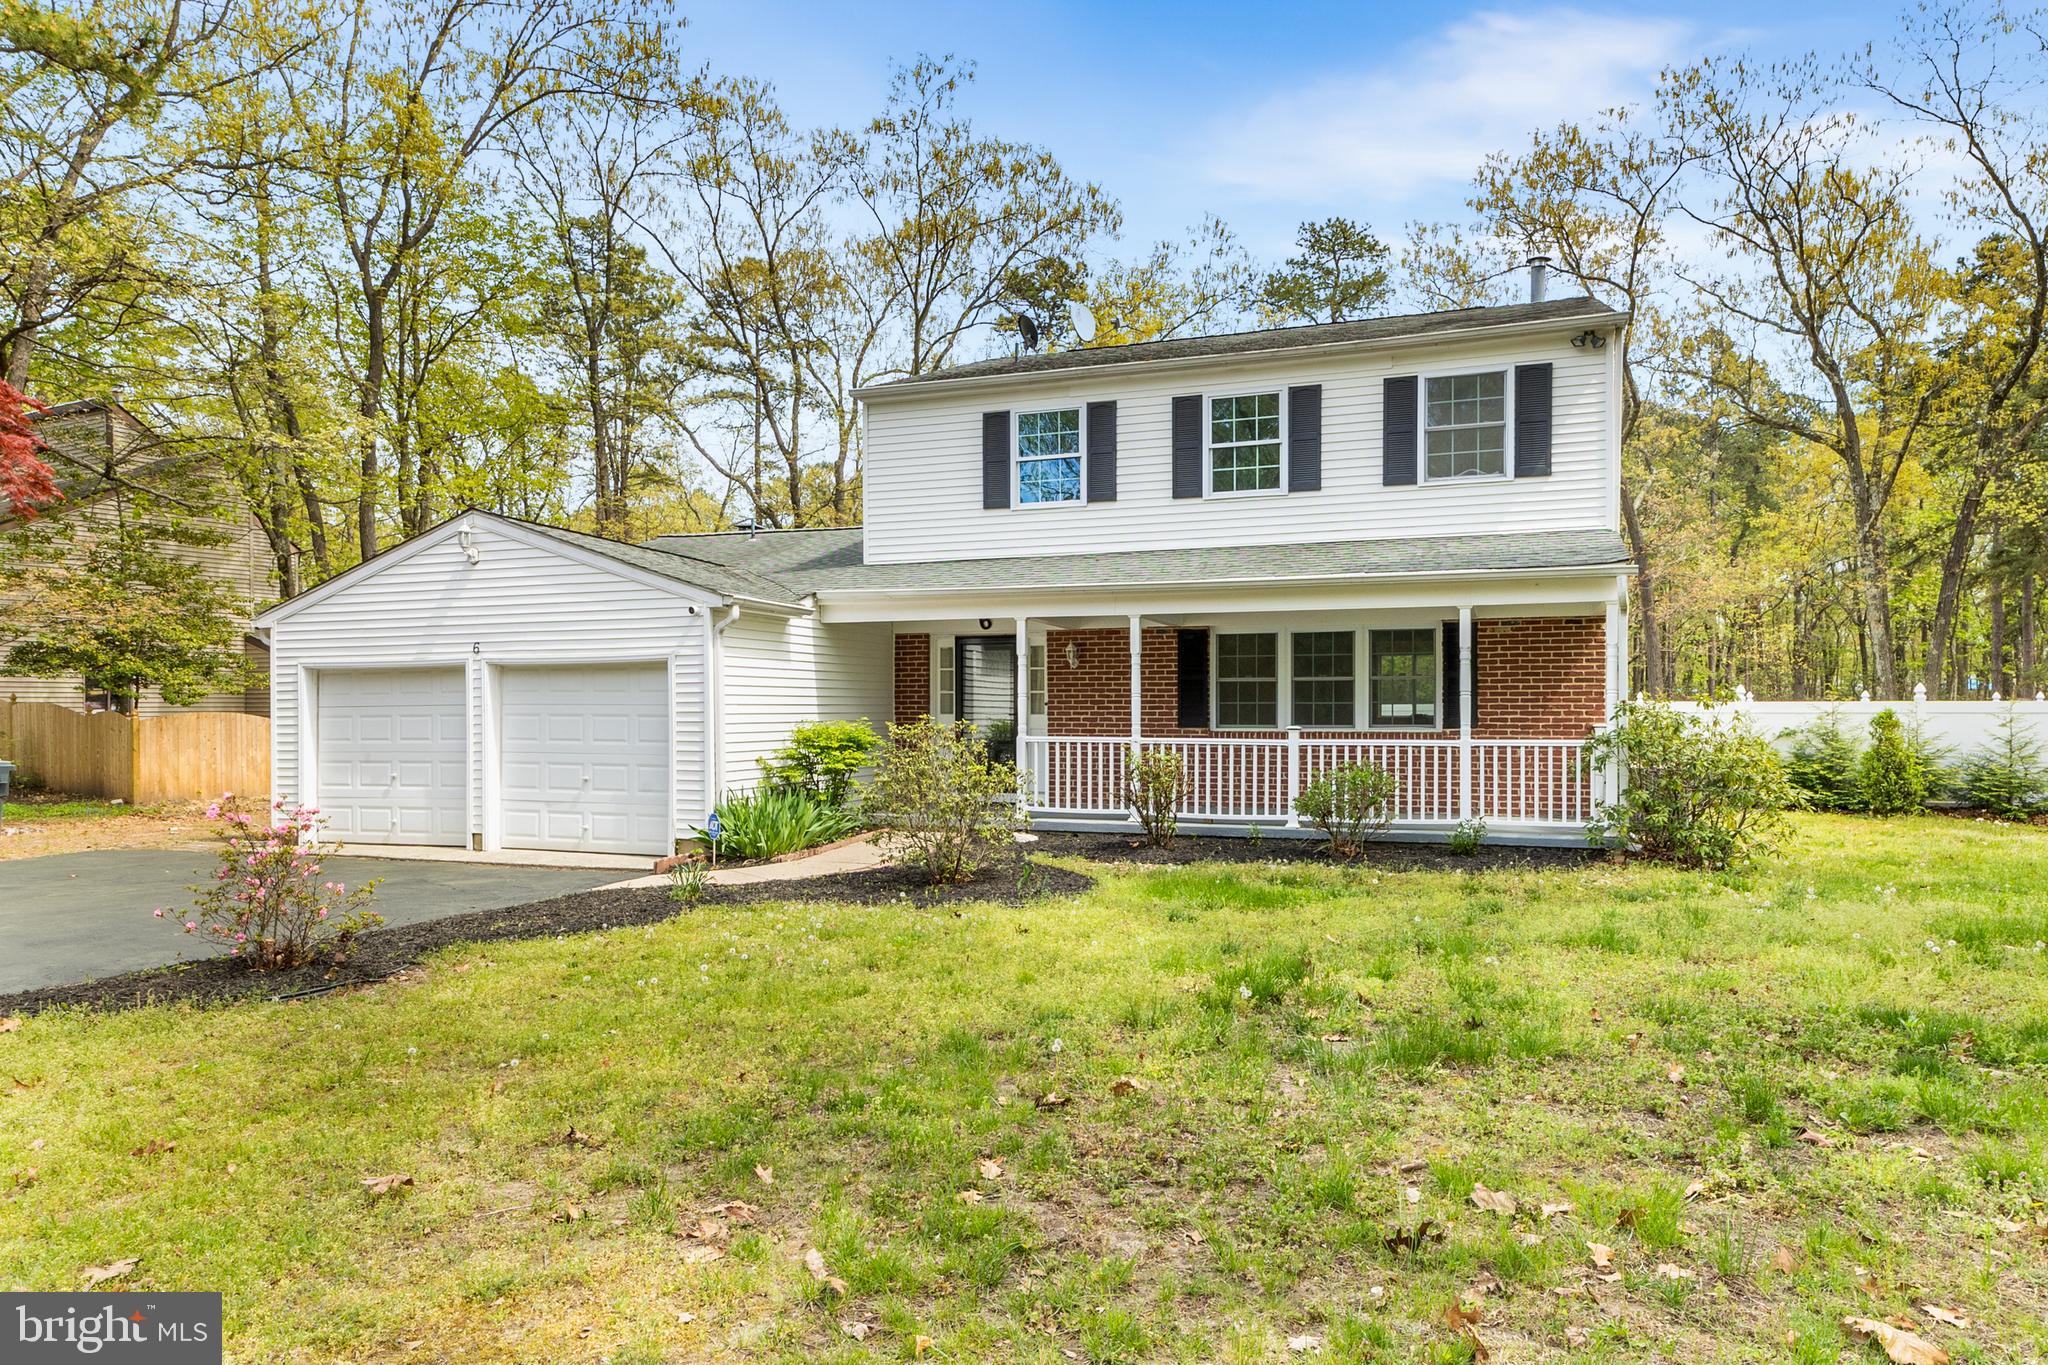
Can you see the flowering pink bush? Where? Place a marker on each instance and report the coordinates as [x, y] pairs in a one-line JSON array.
[[268, 901]]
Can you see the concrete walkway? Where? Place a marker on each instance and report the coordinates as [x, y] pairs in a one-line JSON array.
[[854, 857], [502, 857]]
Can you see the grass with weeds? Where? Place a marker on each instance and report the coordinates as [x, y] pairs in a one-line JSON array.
[[1190, 1116]]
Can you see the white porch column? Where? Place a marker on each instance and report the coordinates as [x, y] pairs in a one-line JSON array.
[[1022, 755], [1617, 658], [1465, 804], [1137, 679]]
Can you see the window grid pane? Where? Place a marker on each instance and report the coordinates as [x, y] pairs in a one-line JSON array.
[[1049, 456], [1035, 702], [1244, 443], [1248, 680], [1404, 677], [1465, 425], [1324, 686]]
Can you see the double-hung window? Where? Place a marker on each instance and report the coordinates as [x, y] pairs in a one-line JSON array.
[[1248, 681], [1324, 679], [1465, 426], [1049, 456], [1403, 681], [1244, 443]]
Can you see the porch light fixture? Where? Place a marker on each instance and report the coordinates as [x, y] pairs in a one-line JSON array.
[[985, 623], [1073, 654], [466, 538]]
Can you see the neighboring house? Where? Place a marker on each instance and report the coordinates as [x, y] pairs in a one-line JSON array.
[[1392, 540], [101, 454]]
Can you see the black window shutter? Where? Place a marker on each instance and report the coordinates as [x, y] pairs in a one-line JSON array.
[[995, 459], [1305, 438], [1532, 420], [1102, 452], [1187, 447], [1397, 429], [1192, 649], [1449, 710]]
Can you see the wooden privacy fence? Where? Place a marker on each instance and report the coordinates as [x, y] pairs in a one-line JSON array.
[[190, 757]]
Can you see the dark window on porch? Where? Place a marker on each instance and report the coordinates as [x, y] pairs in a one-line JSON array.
[[1404, 677], [1248, 681], [1325, 679]]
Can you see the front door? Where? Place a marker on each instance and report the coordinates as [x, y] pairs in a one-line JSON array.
[[985, 680]]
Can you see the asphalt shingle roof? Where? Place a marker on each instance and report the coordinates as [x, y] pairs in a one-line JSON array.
[[1411, 326], [830, 560]]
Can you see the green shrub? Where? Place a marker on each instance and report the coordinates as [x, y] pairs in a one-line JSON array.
[[1823, 764], [822, 757], [1349, 803], [688, 882], [1466, 838], [1701, 791], [943, 806], [1893, 775], [1154, 782], [2007, 777], [776, 820]]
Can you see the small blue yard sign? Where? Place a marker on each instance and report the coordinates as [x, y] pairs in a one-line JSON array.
[[711, 826]]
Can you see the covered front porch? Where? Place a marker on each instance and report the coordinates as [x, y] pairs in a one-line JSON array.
[[1479, 707]]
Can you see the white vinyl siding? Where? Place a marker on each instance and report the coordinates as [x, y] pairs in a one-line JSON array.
[[776, 673], [524, 602], [922, 474]]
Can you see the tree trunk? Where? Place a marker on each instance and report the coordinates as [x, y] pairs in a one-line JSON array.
[[370, 407], [1649, 631], [2026, 677], [1955, 566]]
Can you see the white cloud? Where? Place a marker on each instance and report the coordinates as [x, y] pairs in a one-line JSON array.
[[1403, 130]]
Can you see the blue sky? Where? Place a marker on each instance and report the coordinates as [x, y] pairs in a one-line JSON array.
[[1263, 114]]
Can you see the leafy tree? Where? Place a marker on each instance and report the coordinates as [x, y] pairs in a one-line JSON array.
[[1339, 272], [25, 481], [126, 616], [1894, 778]]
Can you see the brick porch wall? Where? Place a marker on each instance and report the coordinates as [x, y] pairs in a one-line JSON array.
[[913, 677]]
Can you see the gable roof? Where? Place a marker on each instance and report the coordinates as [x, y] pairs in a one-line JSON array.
[[1365, 331], [682, 565], [811, 562]]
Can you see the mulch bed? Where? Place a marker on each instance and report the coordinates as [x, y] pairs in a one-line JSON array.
[[382, 953], [1386, 856]]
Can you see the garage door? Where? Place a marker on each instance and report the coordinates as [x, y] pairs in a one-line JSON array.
[[584, 758], [391, 761]]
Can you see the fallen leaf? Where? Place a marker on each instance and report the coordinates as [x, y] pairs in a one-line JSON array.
[[568, 1213], [1493, 1201], [1051, 1099], [991, 1169], [1412, 1195], [1677, 1074], [1866, 1281], [1123, 1085], [707, 1230], [971, 1197], [156, 1146], [1813, 1137], [1307, 1341], [1695, 1190], [700, 1253], [577, 1138], [1412, 1239], [919, 1345], [1464, 1321], [737, 1211], [814, 1261], [1900, 1346], [1553, 1210], [1481, 1287], [859, 1331], [1603, 1255], [10, 1023], [1336, 1037], [1946, 1316], [1668, 1271], [385, 1184], [765, 1174], [113, 1270], [1783, 1260]]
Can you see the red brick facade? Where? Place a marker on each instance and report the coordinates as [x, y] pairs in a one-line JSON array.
[[913, 677]]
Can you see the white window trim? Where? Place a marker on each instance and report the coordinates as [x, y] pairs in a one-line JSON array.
[[1436, 681], [1361, 682], [1209, 451], [1042, 667], [1507, 434], [1017, 417], [942, 699]]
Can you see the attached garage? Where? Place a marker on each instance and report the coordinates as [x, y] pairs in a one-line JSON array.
[[391, 760], [584, 758]]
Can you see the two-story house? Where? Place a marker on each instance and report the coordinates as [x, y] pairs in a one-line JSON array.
[[1391, 540]]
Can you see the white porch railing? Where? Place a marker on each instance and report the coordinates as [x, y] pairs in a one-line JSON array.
[[1512, 781]]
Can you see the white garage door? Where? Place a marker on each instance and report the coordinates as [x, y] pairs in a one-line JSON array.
[[390, 757], [585, 758]]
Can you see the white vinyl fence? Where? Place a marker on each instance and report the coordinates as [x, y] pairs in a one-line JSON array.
[[1960, 728]]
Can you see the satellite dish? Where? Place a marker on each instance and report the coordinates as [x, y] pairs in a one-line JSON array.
[[1083, 320], [1027, 331]]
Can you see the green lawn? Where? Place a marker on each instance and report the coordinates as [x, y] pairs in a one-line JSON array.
[[1814, 1090]]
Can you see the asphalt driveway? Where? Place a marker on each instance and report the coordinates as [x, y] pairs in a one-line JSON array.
[[76, 916]]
